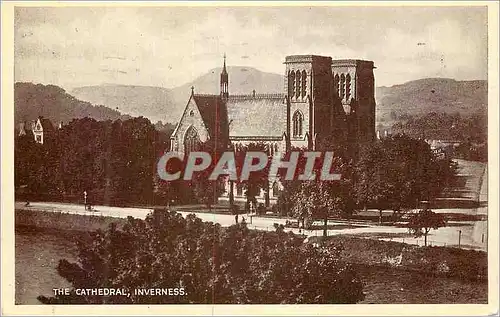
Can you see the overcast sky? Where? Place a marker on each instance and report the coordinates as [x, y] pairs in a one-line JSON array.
[[169, 46]]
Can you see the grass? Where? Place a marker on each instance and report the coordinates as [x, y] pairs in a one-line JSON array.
[[383, 285], [63, 221], [465, 265]]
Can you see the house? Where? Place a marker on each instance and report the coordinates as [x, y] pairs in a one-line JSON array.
[[42, 130]]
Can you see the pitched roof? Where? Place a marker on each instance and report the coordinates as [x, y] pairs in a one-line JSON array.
[[46, 124], [214, 114], [257, 116]]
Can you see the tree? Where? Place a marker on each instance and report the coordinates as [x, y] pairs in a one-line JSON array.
[[257, 180], [421, 223], [28, 161], [320, 200], [316, 199], [398, 172], [205, 190], [213, 265], [374, 185], [290, 187], [115, 162]]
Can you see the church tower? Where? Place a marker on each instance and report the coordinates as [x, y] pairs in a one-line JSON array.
[[354, 87], [224, 82], [308, 85]]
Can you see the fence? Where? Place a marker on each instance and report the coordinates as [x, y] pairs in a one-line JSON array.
[[454, 243]]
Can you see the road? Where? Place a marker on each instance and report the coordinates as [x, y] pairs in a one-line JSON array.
[[471, 232]]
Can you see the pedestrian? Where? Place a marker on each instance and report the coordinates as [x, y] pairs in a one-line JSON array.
[[236, 218]]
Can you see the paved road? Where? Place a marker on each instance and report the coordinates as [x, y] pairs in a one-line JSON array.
[[471, 232]]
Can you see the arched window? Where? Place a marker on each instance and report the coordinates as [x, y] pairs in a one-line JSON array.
[[297, 120], [336, 82], [191, 140], [291, 83], [342, 86], [347, 87], [298, 83], [304, 83]]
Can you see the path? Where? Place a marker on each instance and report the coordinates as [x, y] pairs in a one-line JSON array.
[[471, 233]]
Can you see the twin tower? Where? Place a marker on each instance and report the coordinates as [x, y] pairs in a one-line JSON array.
[[327, 101], [335, 98]]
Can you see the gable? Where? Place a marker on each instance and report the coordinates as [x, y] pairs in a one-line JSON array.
[[191, 118], [214, 114], [38, 126]]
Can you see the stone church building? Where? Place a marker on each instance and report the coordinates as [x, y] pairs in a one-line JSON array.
[[323, 101]]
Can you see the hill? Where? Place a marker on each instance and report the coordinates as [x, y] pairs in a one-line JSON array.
[[394, 103], [166, 105], [53, 102], [440, 95], [242, 80], [154, 103]]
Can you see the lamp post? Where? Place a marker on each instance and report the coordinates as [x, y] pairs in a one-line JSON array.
[[459, 237]]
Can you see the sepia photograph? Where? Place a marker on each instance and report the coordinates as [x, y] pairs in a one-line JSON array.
[[192, 154]]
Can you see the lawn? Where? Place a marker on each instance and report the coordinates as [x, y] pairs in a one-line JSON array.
[[384, 285]]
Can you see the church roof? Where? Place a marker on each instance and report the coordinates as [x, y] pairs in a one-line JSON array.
[[256, 115], [213, 112]]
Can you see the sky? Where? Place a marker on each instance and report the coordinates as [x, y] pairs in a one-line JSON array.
[[169, 46]]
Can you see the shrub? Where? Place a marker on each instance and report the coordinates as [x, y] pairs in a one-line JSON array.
[[212, 264]]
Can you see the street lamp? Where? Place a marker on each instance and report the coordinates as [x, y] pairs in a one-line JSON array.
[[85, 199]]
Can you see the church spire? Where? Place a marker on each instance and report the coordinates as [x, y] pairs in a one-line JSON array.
[[224, 81], [224, 69]]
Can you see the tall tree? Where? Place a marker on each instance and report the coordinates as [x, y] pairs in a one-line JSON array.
[[398, 172], [257, 180], [206, 190], [322, 199]]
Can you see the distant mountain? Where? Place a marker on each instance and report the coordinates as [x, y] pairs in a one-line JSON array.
[[242, 80], [154, 103], [53, 102], [166, 105], [393, 103], [423, 96]]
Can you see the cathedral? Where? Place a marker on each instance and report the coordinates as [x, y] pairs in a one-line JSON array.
[[323, 102]]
